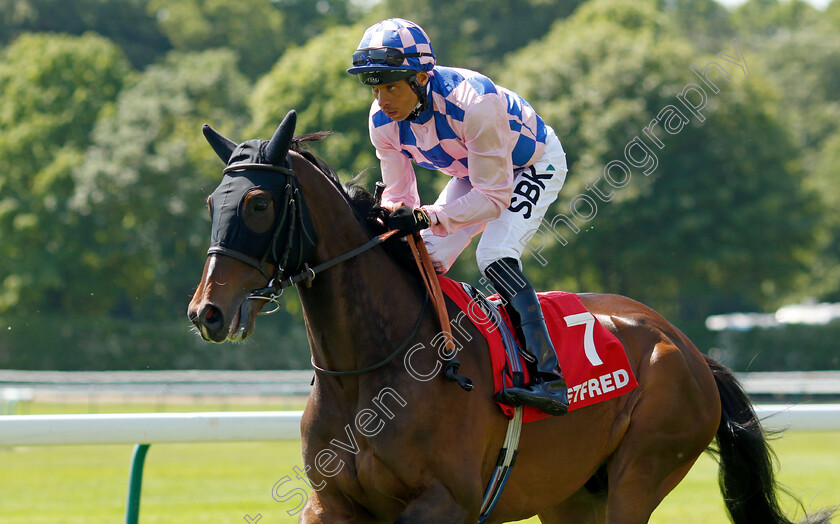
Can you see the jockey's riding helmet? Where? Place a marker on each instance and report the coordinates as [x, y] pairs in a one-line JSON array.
[[391, 50]]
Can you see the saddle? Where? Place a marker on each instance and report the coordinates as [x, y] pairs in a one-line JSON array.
[[593, 360]]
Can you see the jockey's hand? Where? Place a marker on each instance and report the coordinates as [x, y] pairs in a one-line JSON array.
[[408, 220], [389, 207], [438, 265]]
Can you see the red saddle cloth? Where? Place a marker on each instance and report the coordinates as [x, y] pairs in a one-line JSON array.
[[593, 361]]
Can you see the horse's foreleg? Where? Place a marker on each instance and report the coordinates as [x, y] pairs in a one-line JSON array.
[[336, 510], [581, 508], [435, 505]]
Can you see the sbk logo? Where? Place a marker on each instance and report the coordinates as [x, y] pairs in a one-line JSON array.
[[526, 193]]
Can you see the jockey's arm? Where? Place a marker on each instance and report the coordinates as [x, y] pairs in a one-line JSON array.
[[487, 138], [399, 179], [397, 173]]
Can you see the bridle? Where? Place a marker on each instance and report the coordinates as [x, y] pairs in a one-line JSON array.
[[296, 214], [292, 215]]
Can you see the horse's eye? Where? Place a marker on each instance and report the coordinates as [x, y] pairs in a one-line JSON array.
[[258, 211]]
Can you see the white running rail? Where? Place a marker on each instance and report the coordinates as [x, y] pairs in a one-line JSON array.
[[149, 428]]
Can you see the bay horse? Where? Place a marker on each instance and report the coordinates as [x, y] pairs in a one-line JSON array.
[[381, 446]]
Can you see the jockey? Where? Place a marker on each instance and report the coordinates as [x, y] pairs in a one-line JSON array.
[[506, 165]]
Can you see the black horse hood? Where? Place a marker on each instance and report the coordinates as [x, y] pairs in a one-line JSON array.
[[289, 241]]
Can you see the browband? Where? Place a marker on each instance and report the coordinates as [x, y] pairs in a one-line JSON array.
[[242, 166]]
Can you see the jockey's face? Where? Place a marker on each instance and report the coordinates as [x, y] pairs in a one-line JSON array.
[[397, 100]]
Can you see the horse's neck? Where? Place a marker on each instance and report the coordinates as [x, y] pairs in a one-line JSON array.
[[358, 311], [357, 315]]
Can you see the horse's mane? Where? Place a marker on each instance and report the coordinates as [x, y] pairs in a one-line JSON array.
[[364, 205]]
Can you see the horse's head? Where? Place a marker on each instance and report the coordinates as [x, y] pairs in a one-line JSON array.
[[261, 231]]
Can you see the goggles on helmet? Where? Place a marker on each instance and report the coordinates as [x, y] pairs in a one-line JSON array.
[[375, 78], [384, 55]]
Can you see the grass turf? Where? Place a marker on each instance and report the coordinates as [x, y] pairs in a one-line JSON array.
[[234, 482]]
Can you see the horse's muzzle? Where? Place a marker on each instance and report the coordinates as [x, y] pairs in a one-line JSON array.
[[210, 322]]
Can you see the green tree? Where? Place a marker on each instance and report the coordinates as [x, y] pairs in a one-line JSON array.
[[771, 17], [799, 51], [258, 30], [477, 33], [252, 28], [823, 280], [705, 22], [141, 189], [53, 88], [312, 79], [124, 22], [305, 19], [721, 222], [833, 13]]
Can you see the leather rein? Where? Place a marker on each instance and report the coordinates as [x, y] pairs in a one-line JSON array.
[[275, 289], [277, 286]]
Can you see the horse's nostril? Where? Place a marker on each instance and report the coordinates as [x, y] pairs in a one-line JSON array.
[[212, 317]]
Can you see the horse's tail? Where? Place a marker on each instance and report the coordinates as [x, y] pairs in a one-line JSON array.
[[746, 476]]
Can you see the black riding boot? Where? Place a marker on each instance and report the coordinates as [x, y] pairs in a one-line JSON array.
[[547, 390]]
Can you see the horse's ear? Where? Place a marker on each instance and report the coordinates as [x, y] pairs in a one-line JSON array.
[[221, 145], [279, 144]]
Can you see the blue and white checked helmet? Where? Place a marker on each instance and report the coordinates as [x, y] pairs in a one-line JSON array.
[[393, 45]]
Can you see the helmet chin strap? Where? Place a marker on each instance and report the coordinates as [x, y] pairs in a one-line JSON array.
[[422, 93]]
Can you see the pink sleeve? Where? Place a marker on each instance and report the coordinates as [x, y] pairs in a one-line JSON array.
[[487, 138], [397, 171]]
